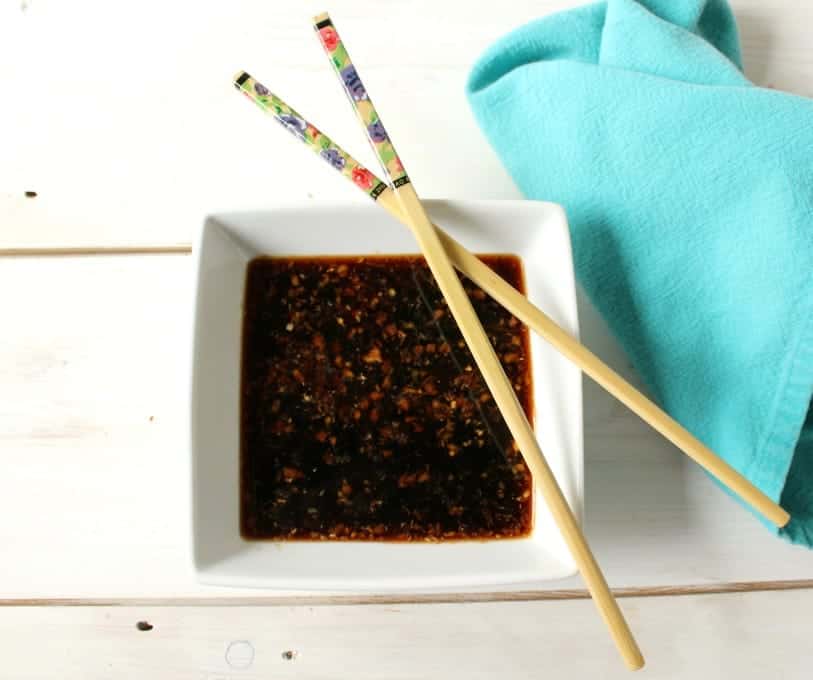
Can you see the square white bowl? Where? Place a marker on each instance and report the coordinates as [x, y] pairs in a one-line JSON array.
[[535, 231]]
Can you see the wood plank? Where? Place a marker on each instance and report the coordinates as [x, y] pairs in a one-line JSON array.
[[94, 372], [129, 146], [746, 636]]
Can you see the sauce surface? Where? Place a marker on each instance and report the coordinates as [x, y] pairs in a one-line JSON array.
[[363, 414]]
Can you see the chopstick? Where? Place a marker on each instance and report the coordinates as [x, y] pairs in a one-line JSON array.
[[484, 355], [517, 304]]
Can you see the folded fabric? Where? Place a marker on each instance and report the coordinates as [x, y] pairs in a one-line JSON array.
[[690, 197]]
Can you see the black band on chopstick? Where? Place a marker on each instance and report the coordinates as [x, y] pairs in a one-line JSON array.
[[400, 181], [378, 190], [323, 23], [238, 83]]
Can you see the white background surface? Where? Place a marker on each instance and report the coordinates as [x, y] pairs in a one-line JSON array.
[[713, 637], [123, 119]]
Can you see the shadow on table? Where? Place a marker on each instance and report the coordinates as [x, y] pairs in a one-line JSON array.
[[630, 470], [757, 41]]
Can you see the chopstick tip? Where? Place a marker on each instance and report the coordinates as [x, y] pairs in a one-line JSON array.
[[239, 78], [322, 20], [636, 664], [783, 517]]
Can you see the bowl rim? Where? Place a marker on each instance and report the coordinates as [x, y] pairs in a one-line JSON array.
[[222, 218]]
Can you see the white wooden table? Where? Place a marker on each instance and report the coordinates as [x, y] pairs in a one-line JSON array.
[[123, 120]]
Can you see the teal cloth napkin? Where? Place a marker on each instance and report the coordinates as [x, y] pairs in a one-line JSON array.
[[690, 197]]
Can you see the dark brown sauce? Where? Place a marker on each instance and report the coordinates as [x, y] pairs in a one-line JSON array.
[[363, 415]]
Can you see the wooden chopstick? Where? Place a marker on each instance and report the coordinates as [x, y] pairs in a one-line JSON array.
[[516, 303], [478, 343]]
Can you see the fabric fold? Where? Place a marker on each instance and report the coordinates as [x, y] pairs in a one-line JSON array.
[[690, 198]]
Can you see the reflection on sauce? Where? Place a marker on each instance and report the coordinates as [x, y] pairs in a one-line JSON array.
[[363, 415]]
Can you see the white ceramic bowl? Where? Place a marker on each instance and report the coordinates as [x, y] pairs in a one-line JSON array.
[[538, 233]]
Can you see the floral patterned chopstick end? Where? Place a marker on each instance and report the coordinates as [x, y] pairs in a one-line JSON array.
[[377, 135], [318, 142]]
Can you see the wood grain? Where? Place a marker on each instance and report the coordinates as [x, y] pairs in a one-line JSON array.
[[717, 637], [72, 251], [314, 599]]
